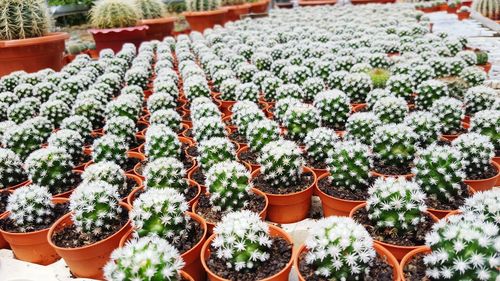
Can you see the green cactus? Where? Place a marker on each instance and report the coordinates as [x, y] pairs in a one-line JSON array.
[[270, 86], [166, 172], [400, 85], [22, 139], [394, 144], [29, 207], [334, 108], [487, 123], [11, 169], [107, 172], [281, 163], [361, 127], [477, 151], [215, 150], [379, 77], [479, 98], [319, 142], [23, 110], [356, 86], [208, 127], [481, 58], [55, 111], [109, 148], [488, 8], [167, 117], [69, 140], [485, 205], [24, 19], [300, 119], [450, 112], [391, 109], [161, 142], [349, 164], [129, 106], [244, 113], [114, 14], [247, 91], [228, 89], [78, 124], [428, 92], [426, 125], [122, 127], [261, 132], [91, 109], [473, 76], [151, 9]]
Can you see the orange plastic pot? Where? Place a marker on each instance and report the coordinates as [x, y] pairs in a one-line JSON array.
[[408, 257], [381, 251], [193, 265], [3, 243], [262, 213], [226, 106], [235, 12], [486, 67], [496, 159], [274, 231], [485, 184], [114, 38], [259, 7], [88, 261], [199, 21], [33, 54], [32, 246], [289, 208], [132, 196], [190, 177], [444, 213], [307, 3], [158, 28], [14, 187], [253, 167], [397, 251], [136, 155], [333, 206], [454, 136], [463, 15]]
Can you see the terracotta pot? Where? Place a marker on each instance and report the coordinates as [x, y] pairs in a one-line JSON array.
[[444, 213], [14, 187], [397, 251], [408, 257], [358, 107], [192, 184], [88, 261], [289, 208], [381, 251], [32, 246], [443, 7], [114, 38], [463, 15], [262, 213], [486, 67], [259, 7], [235, 12], [496, 159], [452, 137], [333, 206], [193, 265], [199, 21], [485, 184], [136, 155], [33, 54], [186, 276], [253, 167], [3, 243], [158, 28], [226, 106], [451, 10], [307, 3], [274, 231], [190, 177]]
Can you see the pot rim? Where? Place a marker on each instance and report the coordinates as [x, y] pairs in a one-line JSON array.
[[47, 38]]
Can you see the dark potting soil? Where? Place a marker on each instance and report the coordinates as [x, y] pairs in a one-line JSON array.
[[497, 153], [90, 140], [125, 191], [454, 204], [237, 137], [70, 237], [384, 169], [380, 270], [460, 131], [204, 208], [130, 163], [311, 162], [358, 194], [336, 128], [199, 177], [480, 175], [229, 122], [192, 151], [4, 196], [136, 143], [299, 142], [141, 126], [59, 188], [305, 181], [280, 255], [194, 235], [389, 235], [443, 142], [249, 156], [84, 159], [415, 269], [59, 210]]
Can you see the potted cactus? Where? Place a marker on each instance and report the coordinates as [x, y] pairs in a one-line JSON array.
[[487, 8], [153, 16], [259, 6], [287, 184], [396, 215], [234, 253], [463, 13], [438, 260], [115, 23], [318, 145], [25, 41], [12, 174], [450, 112], [203, 14], [259, 133], [112, 173], [487, 122], [86, 236], [30, 213], [361, 259], [482, 60]]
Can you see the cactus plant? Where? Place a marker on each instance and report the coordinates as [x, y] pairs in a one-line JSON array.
[[129, 106], [201, 109], [244, 115], [477, 151], [196, 86], [247, 91], [281, 163], [270, 86], [22, 139], [487, 123], [394, 144], [11, 169], [109, 148], [107, 172], [488, 8], [400, 85], [289, 91], [24, 19], [121, 127], [379, 77], [55, 111], [146, 258], [391, 109], [23, 110], [161, 141], [319, 142], [356, 86], [207, 128], [151, 9], [166, 172], [300, 119], [426, 125], [69, 140], [114, 14], [228, 89], [215, 150], [30, 206], [450, 112], [479, 98], [167, 117], [428, 92], [334, 108], [43, 127], [42, 91], [485, 205], [261, 132], [473, 76], [78, 124], [361, 127], [91, 109]]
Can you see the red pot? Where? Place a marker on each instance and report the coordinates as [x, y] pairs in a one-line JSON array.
[[451, 10], [274, 231], [259, 7], [381, 251], [159, 28], [114, 38], [88, 261], [235, 12], [463, 15], [289, 208], [306, 3], [486, 67], [407, 258], [485, 184], [199, 21], [333, 206], [32, 246], [33, 54]]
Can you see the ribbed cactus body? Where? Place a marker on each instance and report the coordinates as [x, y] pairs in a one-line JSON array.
[[23, 19], [488, 8], [114, 14]]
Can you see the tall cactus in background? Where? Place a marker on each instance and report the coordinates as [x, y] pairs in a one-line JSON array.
[[151, 9], [114, 14], [202, 5], [23, 19], [488, 8]]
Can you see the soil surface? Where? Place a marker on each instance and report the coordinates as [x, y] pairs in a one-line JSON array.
[[415, 269], [192, 151], [388, 235], [256, 204], [381, 168], [304, 182], [249, 157], [195, 233], [360, 193], [59, 210], [4, 196], [311, 162], [130, 163], [280, 255], [480, 175], [199, 177], [237, 137], [380, 270], [454, 204], [59, 188]]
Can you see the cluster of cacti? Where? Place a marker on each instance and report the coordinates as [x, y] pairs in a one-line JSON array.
[[479, 98], [215, 150], [484, 205], [70, 141], [151, 9], [30, 206], [281, 163], [242, 239], [477, 151], [333, 235], [428, 92], [24, 19], [425, 124]]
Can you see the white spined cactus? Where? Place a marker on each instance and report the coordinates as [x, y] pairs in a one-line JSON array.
[[391, 109], [301, 119], [108, 172], [485, 204], [30, 206], [281, 163], [450, 112], [319, 142], [361, 126], [425, 124], [161, 141], [349, 164], [11, 169], [487, 122], [477, 151], [334, 107], [215, 150], [479, 98]]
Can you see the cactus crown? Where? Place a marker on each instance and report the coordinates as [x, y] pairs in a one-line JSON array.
[[487, 122], [22, 139], [122, 127], [161, 142], [151, 9], [356, 86], [361, 126], [204, 109], [394, 144], [428, 92], [24, 19], [91, 109], [167, 117], [69, 140], [215, 150], [400, 85], [396, 203], [242, 239], [159, 101], [349, 164], [109, 148], [281, 163], [463, 248], [319, 142], [114, 14], [391, 109], [202, 5], [78, 124], [108, 172], [479, 98], [473, 76], [261, 132], [30, 206], [23, 110], [335, 235], [165, 172], [425, 124], [477, 151], [125, 105], [146, 258], [95, 207], [282, 106], [300, 119], [485, 205], [208, 127], [334, 107], [162, 213], [11, 168], [450, 112]]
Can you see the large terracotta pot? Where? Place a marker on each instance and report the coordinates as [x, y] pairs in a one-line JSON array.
[[274, 231], [88, 261], [114, 38], [199, 21], [33, 54], [333, 206], [235, 12], [259, 7], [289, 208], [398, 251], [485, 184], [32, 246], [159, 28], [406, 259], [390, 259]]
